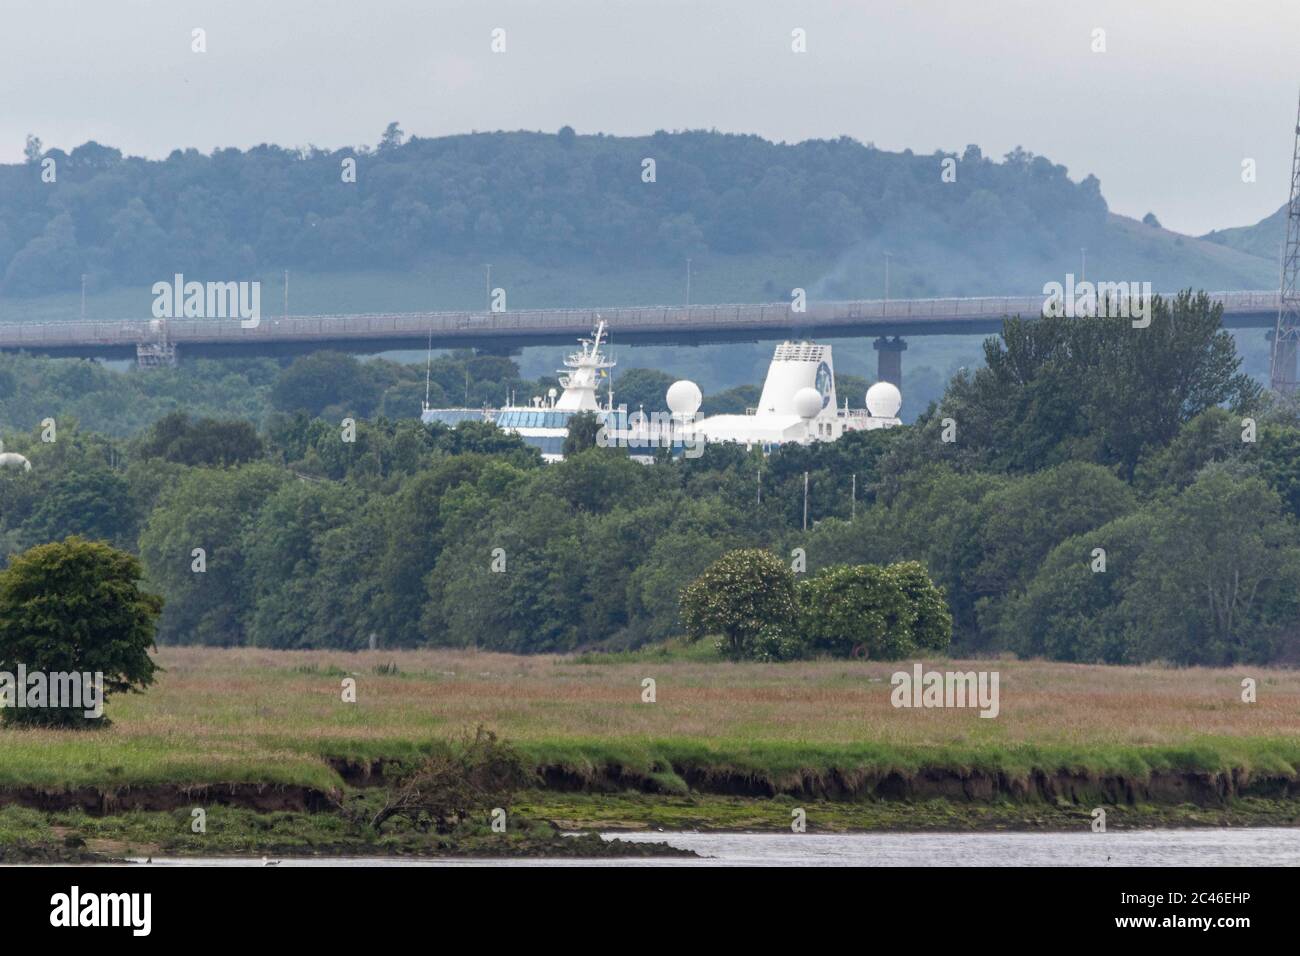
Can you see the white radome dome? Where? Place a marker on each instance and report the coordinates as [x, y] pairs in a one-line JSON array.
[[807, 402], [884, 400], [684, 397]]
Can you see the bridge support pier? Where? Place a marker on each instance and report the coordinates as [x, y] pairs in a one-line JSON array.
[[889, 360]]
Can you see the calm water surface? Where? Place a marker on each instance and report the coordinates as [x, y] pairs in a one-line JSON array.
[[1209, 847]]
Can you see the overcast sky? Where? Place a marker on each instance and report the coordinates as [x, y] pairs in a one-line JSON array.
[[1185, 90]]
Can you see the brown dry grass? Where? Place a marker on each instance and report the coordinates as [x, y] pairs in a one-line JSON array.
[[249, 713]]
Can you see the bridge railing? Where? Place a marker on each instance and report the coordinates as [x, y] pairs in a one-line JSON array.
[[413, 325]]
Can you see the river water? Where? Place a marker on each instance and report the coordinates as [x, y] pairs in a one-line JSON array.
[[1202, 847]]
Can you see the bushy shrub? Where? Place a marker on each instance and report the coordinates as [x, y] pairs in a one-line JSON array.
[[848, 609], [739, 596], [931, 623], [750, 599]]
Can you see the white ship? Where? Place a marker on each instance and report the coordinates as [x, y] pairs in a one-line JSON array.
[[798, 404], [544, 422]]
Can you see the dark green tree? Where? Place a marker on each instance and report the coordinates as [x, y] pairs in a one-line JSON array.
[[205, 441], [1092, 389], [193, 547], [1219, 579], [324, 380], [76, 606], [583, 428]]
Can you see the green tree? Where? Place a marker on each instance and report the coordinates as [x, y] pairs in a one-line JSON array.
[[326, 380], [936, 518], [76, 606], [346, 585], [1219, 580], [283, 555], [1213, 435], [855, 609], [208, 598], [1020, 523], [737, 597], [882, 613], [93, 502], [583, 428], [931, 620], [1092, 389], [413, 521], [530, 603], [1279, 462], [694, 533], [205, 441], [1074, 608]]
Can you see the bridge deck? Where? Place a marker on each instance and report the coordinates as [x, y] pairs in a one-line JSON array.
[[696, 324]]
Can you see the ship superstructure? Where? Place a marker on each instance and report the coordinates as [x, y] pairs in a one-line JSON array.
[[544, 422], [798, 405]]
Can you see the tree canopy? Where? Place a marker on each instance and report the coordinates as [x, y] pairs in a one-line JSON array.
[[75, 606]]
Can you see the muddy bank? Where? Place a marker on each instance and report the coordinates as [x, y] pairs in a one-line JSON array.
[[1202, 788], [24, 853], [1174, 787], [97, 801], [1199, 788]]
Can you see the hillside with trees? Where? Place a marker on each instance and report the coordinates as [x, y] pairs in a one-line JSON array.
[[579, 205]]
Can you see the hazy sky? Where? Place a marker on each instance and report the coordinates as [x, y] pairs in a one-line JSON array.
[[1185, 91]]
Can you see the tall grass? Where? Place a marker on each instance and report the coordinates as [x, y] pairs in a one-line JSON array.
[[251, 715]]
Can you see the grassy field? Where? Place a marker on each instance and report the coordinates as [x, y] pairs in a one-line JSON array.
[[246, 715]]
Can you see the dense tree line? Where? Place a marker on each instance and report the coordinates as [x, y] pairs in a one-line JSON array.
[[1095, 492], [322, 384], [551, 198]]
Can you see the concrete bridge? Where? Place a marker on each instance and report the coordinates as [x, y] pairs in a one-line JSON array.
[[158, 341]]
